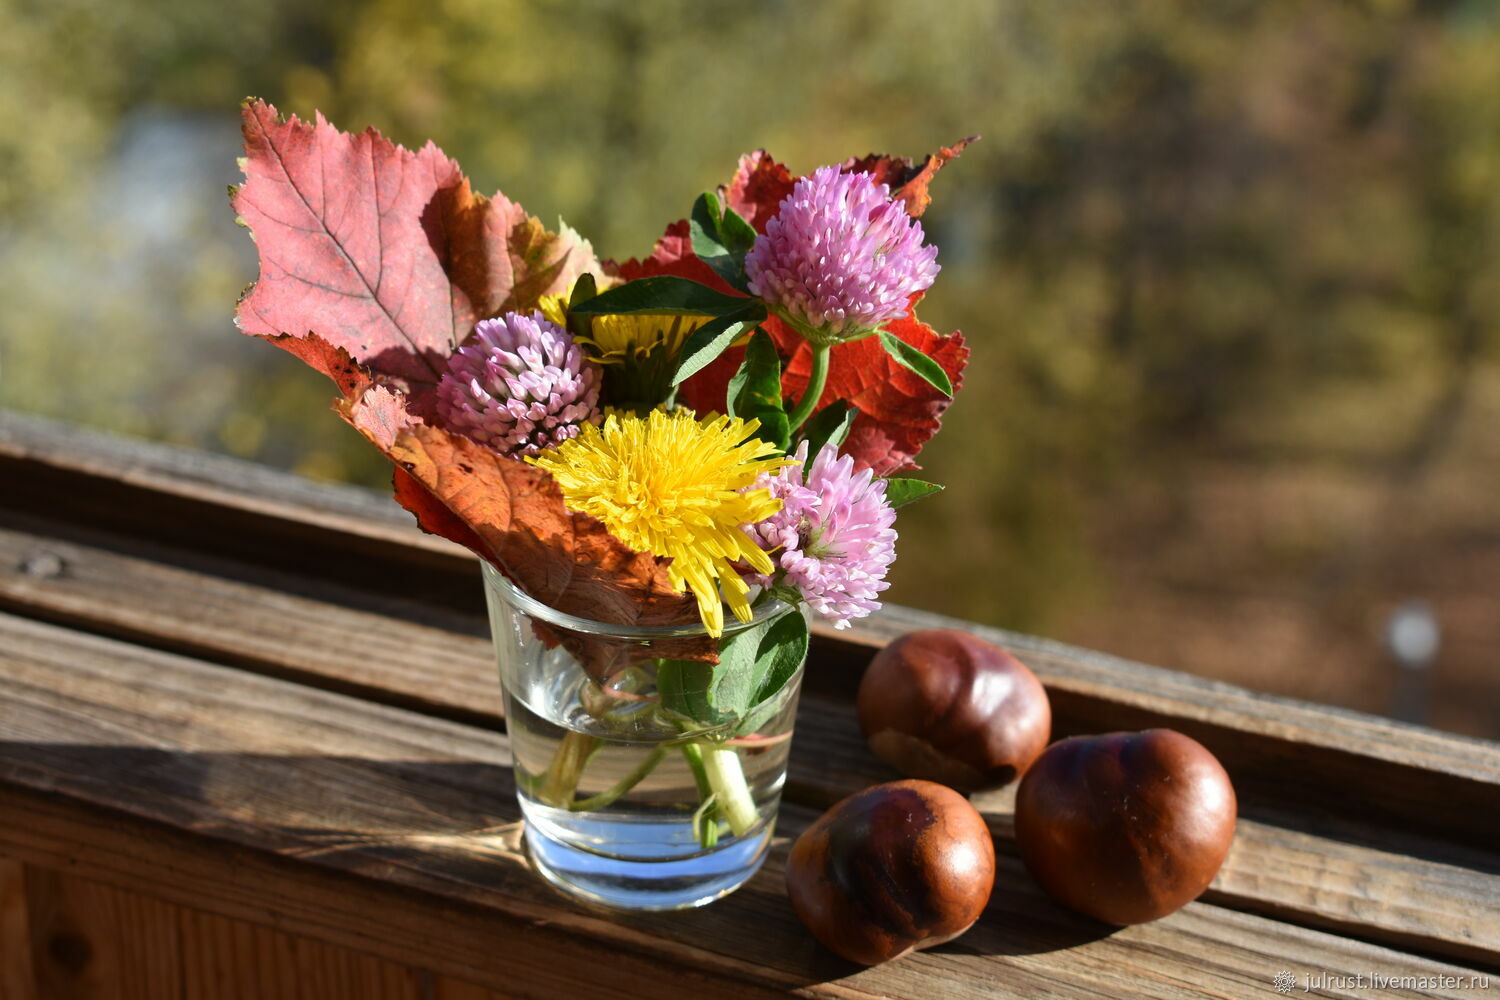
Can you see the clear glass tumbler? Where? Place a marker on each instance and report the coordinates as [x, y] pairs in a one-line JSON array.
[[630, 800]]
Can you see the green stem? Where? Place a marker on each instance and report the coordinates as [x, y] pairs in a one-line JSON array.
[[705, 823], [815, 383], [694, 757], [561, 779], [731, 792], [706, 818], [622, 786]]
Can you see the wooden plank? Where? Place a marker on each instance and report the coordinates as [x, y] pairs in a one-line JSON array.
[[1289, 750], [1322, 880], [106, 943], [405, 654], [225, 959], [444, 988], [76, 951], [46, 453], [390, 831], [17, 980], [1318, 757], [1406, 891], [215, 504], [1434, 893], [234, 791]]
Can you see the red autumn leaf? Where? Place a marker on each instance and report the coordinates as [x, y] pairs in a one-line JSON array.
[[383, 251], [908, 182], [321, 356], [375, 262], [369, 407], [758, 187], [380, 415], [898, 410]]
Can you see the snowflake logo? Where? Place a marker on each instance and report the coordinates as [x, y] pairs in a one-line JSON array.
[[1284, 981]]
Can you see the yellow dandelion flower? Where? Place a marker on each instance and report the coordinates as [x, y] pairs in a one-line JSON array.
[[555, 307], [670, 484], [613, 340]]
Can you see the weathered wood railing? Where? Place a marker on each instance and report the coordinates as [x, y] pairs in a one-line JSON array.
[[251, 745]]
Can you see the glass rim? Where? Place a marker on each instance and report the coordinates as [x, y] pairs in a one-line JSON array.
[[497, 580]]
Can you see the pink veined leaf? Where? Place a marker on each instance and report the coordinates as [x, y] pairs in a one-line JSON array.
[[384, 251], [376, 261]]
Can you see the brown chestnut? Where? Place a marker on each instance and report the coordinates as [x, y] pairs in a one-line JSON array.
[[1125, 827], [894, 868], [947, 706]]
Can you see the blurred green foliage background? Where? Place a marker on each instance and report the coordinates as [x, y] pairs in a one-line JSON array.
[[1230, 270]]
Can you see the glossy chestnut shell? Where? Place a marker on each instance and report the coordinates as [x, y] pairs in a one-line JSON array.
[[1125, 827], [947, 706], [894, 868]]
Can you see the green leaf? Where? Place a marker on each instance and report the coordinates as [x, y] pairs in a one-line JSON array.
[[901, 492], [830, 425], [712, 338], [755, 391], [913, 360], [683, 687], [584, 289], [782, 652], [664, 295], [754, 665], [732, 689], [721, 238]]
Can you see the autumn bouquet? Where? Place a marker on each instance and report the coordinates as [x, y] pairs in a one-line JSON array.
[[644, 443]]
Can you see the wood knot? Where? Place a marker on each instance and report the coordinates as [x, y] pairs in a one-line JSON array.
[[71, 952], [45, 565]]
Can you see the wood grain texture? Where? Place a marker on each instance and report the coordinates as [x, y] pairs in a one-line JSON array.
[[104, 943], [1323, 880], [76, 942], [444, 988], [393, 832], [225, 959], [17, 980], [1317, 757], [219, 505], [275, 623], [1415, 891]]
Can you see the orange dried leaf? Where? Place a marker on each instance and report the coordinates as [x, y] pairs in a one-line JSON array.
[[566, 560]]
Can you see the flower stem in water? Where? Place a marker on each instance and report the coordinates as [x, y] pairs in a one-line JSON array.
[[561, 779], [619, 788], [731, 792], [706, 818], [694, 755]]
